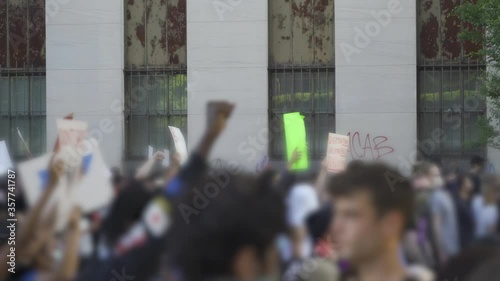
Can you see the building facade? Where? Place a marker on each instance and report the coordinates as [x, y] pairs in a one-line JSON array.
[[391, 74]]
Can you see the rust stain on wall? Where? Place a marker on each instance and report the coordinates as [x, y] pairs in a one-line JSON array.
[[159, 32], [176, 31], [141, 34], [302, 10], [156, 12], [301, 32], [439, 29], [135, 33], [36, 31], [429, 36], [452, 47], [18, 12], [3, 34]]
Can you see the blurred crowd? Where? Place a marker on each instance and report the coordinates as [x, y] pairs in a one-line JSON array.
[[193, 222]]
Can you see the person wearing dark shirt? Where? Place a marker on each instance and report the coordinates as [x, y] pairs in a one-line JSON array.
[[135, 240], [463, 205], [477, 164]]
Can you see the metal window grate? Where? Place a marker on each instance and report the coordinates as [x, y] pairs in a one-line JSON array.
[[154, 100], [155, 74], [310, 92], [448, 76], [22, 76], [301, 71]]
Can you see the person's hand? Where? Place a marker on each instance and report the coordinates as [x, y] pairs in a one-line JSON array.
[[218, 112], [176, 159], [324, 165], [74, 219], [159, 156], [296, 156], [56, 171], [33, 244]]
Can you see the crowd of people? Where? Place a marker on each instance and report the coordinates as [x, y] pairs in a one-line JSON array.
[[194, 222]]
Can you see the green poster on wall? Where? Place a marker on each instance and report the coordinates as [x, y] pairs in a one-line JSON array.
[[295, 136]]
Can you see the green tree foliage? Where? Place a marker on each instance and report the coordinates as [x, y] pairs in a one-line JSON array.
[[482, 18]]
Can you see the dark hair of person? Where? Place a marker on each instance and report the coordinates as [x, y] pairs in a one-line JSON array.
[[116, 176], [477, 160], [125, 210], [468, 261], [389, 190], [489, 270], [462, 178], [246, 211], [318, 222]]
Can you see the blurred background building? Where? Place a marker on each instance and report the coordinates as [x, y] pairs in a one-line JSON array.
[[385, 72]]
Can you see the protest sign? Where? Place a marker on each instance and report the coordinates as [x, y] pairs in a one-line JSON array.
[[295, 136], [180, 143], [5, 161], [91, 189], [338, 146], [166, 160], [150, 151]]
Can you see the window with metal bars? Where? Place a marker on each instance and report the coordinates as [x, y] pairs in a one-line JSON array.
[[448, 73], [155, 74], [22, 76], [301, 71]]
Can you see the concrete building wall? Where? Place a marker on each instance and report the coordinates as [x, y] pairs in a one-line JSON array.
[[227, 57], [375, 46], [85, 69]]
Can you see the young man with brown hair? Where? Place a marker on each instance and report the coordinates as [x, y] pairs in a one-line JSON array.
[[373, 206]]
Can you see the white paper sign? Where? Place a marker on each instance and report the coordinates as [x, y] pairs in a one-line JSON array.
[[92, 191], [180, 143], [338, 146], [5, 161], [71, 132], [150, 152], [166, 160], [95, 189]]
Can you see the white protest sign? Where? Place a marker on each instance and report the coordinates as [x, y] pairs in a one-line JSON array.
[[92, 190], [71, 132], [70, 145], [338, 146], [35, 176], [5, 161], [180, 143], [150, 151], [166, 160]]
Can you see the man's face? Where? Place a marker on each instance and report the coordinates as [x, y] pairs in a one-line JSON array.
[[356, 229], [435, 176]]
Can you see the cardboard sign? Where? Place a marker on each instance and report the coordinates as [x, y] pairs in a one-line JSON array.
[[5, 161], [92, 189], [336, 157], [295, 135], [180, 143], [71, 133]]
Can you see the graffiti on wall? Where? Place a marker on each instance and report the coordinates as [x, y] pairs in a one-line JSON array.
[[368, 147]]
